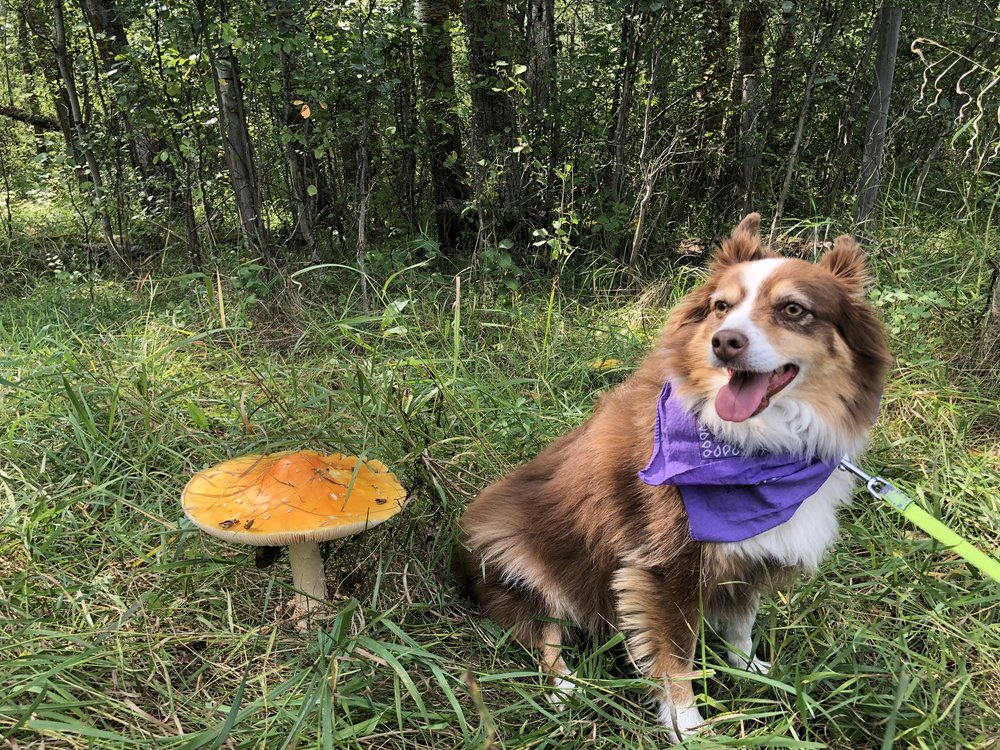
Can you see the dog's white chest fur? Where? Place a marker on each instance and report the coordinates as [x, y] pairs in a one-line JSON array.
[[804, 539]]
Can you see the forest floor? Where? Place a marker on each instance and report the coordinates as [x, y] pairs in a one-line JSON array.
[[124, 627]]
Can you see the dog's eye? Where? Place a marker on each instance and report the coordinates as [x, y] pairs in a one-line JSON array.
[[720, 306], [794, 310]]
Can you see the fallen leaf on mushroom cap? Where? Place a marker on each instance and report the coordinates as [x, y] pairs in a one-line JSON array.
[[285, 498]]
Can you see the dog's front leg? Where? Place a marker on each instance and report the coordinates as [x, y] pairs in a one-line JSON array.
[[551, 661], [732, 613], [660, 619]]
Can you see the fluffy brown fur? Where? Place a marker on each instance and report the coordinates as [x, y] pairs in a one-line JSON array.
[[575, 539]]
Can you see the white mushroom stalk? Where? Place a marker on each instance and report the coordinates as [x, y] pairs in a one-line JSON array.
[[309, 580]]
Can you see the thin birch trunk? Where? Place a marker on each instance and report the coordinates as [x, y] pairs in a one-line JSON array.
[[494, 131], [783, 44], [236, 144], [878, 115], [441, 123], [749, 59], [364, 193], [540, 59], [649, 179], [79, 129], [845, 126], [298, 156], [35, 20], [404, 100], [623, 101], [749, 147], [793, 155]]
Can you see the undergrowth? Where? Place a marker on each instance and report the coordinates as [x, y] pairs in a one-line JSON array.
[[125, 627]]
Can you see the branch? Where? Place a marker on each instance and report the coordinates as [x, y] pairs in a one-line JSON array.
[[38, 121]]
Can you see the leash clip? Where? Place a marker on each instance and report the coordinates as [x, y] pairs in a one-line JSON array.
[[878, 487]]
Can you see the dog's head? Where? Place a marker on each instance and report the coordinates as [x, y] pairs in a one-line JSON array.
[[777, 353]]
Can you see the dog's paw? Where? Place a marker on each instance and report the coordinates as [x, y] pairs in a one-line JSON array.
[[760, 666], [739, 661], [561, 692], [682, 724]]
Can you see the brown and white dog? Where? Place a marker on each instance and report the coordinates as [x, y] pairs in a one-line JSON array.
[[574, 540]]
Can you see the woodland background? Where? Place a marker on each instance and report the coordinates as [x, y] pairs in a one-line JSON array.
[[432, 234], [485, 132]]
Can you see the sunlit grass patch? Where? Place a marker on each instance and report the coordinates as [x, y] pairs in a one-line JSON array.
[[124, 627]]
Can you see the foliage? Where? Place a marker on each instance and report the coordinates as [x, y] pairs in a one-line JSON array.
[[330, 96]]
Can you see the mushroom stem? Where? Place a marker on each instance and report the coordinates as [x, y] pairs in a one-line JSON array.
[[309, 579]]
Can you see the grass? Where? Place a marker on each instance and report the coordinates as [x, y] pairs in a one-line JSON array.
[[122, 627]]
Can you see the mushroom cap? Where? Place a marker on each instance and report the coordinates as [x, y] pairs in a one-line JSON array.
[[291, 497]]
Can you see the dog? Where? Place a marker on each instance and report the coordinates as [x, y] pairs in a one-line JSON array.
[[660, 508]]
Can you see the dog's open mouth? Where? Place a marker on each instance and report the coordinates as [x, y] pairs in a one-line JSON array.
[[749, 393]]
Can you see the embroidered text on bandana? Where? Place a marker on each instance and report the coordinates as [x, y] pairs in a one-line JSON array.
[[728, 497]]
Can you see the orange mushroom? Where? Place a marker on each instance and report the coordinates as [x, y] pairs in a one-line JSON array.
[[298, 499]]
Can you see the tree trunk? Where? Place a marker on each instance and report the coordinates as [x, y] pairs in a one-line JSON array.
[[28, 71], [112, 43], [843, 146], [444, 144], [793, 156], [878, 115], [749, 147], [786, 33], [540, 59], [493, 132], [404, 100], [79, 130], [710, 98], [622, 101], [749, 60], [236, 144], [651, 165], [298, 155], [364, 194], [109, 31], [35, 20]]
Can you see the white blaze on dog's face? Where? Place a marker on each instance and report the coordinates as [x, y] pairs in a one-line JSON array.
[[743, 343], [778, 353]]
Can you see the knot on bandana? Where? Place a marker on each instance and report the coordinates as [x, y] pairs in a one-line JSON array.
[[729, 497]]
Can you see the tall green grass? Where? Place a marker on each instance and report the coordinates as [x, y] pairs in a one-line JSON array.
[[123, 627]]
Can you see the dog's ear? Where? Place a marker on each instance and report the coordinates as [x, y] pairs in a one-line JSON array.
[[693, 308], [846, 261], [742, 245]]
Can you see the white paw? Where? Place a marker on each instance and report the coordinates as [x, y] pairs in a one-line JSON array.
[[739, 661], [561, 692], [681, 725]]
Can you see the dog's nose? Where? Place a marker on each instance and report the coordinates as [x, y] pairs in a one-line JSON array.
[[728, 344]]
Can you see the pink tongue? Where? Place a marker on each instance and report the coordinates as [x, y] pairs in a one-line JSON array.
[[742, 395]]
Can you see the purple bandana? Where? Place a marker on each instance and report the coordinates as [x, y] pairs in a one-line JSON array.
[[728, 497]]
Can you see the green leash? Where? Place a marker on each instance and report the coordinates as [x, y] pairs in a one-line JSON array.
[[881, 489]]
